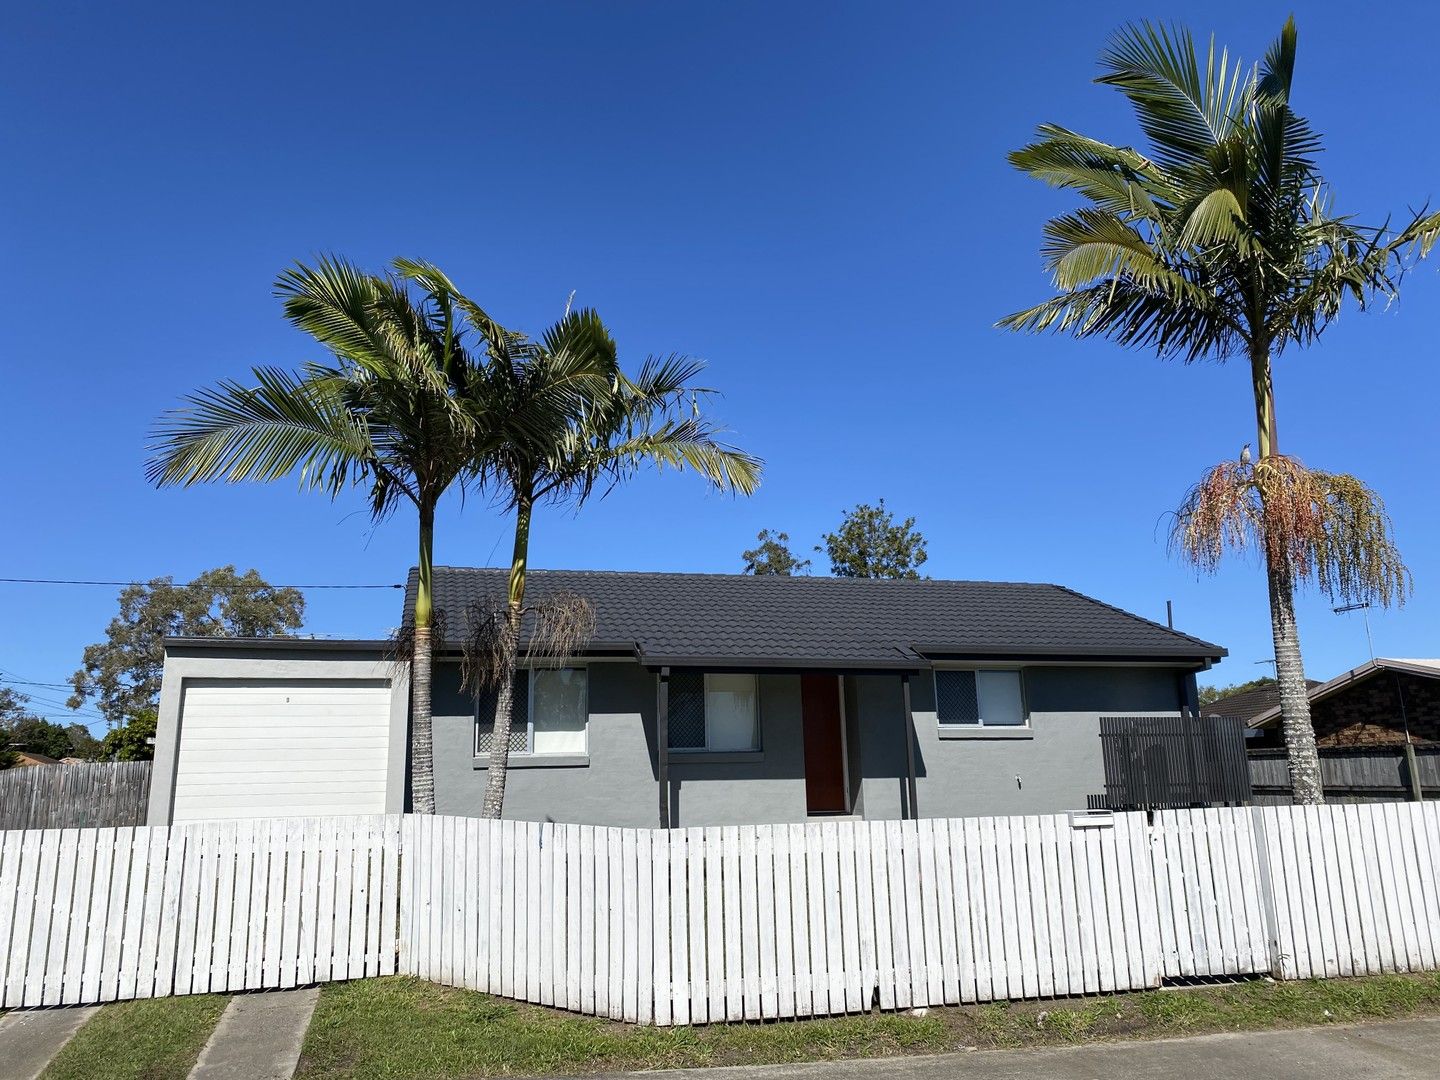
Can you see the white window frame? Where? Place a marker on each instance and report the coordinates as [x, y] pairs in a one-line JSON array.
[[951, 725], [529, 751], [759, 744]]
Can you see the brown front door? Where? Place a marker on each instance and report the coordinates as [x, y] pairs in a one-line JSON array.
[[824, 745]]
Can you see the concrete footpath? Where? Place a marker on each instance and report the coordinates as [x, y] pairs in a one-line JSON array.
[[30, 1038], [1406, 1050], [258, 1037]]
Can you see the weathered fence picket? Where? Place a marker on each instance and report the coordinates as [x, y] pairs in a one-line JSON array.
[[75, 796], [727, 923]]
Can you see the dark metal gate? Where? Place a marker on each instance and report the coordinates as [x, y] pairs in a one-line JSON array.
[[1171, 762]]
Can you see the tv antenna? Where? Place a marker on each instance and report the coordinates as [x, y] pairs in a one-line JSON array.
[[1364, 608]]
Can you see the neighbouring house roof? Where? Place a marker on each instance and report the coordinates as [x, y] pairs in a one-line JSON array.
[[28, 757], [774, 621], [1425, 668], [1250, 703]]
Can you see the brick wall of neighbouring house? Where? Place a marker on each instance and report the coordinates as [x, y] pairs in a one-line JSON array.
[[1368, 713]]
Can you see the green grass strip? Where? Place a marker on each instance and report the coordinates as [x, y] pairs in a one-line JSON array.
[[406, 1029], [156, 1039]]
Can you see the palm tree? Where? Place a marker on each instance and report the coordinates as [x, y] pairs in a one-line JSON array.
[[385, 413], [1218, 241], [566, 421]]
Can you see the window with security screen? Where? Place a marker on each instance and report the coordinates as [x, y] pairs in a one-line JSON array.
[[550, 715], [719, 713], [980, 698]]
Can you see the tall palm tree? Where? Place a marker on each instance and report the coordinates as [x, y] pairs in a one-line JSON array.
[[1218, 241], [385, 413], [567, 420]]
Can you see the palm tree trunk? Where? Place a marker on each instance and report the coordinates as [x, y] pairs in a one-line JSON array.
[[422, 751], [494, 801], [1303, 756]]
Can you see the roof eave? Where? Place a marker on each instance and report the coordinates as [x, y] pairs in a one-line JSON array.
[[1345, 680], [278, 643], [783, 664], [1184, 657]]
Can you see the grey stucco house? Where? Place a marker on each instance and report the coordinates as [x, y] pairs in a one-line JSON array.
[[705, 700], [710, 699]]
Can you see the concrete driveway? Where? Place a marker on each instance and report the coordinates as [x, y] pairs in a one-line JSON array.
[[1407, 1050]]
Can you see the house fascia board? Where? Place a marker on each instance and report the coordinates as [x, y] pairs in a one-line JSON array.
[[1099, 657]]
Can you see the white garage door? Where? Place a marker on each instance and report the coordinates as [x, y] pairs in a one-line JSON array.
[[286, 748]]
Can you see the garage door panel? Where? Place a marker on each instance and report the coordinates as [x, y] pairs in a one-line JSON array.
[[214, 794], [302, 755], [253, 748], [311, 707], [258, 739], [285, 712], [285, 810]]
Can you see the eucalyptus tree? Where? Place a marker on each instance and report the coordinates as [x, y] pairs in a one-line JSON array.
[[567, 421], [384, 413], [1219, 240]]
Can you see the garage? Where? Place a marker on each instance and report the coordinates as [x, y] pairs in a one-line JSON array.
[[257, 731]]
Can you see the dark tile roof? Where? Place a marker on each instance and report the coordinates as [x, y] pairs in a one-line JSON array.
[[1249, 704], [777, 621]]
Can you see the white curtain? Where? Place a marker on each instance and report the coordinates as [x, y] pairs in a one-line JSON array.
[[731, 712], [559, 710]]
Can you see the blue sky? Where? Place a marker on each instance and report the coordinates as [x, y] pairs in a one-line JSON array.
[[814, 199]]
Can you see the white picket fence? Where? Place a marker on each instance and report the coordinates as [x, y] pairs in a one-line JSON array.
[[731, 923], [93, 915]]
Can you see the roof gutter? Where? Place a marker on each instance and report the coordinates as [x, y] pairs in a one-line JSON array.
[[1061, 654]]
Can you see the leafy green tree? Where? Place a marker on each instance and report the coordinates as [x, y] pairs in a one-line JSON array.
[[1219, 241], [21, 729], [132, 741], [15, 715], [83, 745], [122, 673], [868, 544], [772, 555], [1211, 694], [384, 414]]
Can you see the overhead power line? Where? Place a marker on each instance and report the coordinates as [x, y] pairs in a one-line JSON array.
[[190, 585]]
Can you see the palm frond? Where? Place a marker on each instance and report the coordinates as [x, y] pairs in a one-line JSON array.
[[282, 424], [1222, 229], [1092, 243], [1115, 179], [1215, 218], [1183, 113], [1127, 313], [503, 344]]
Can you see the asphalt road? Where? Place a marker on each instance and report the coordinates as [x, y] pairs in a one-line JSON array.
[[1407, 1050]]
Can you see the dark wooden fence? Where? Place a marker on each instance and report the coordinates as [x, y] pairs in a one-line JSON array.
[[1352, 774], [74, 796], [1171, 762]]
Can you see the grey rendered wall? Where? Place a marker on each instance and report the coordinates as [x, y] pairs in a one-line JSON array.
[[1050, 769], [767, 788], [618, 784]]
